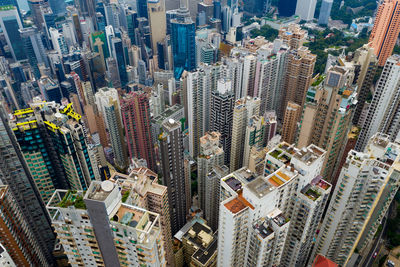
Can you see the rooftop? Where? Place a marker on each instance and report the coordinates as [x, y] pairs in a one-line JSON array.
[[263, 229], [238, 204], [100, 191], [203, 255], [277, 217], [71, 198], [260, 187]]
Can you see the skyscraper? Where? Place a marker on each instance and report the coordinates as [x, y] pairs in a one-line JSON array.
[[287, 8], [35, 6], [221, 115], [325, 12], [299, 74], [292, 117], [135, 110], [254, 136], [118, 55], [326, 116], [244, 109], [172, 161], [14, 173], [10, 22], [98, 228], [305, 9], [383, 111], [157, 22], [366, 187], [211, 155], [34, 49], [183, 32], [386, 30]]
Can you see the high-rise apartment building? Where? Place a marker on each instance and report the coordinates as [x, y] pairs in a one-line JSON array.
[[183, 42], [211, 155], [366, 187], [386, 30], [325, 12], [14, 173], [244, 109], [326, 117], [292, 117], [299, 74], [383, 113], [293, 35], [305, 9], [254, 137], [308, 209], [256, 211], [135, 109], [98, 228], [53, 142], [172, 161], [221, 115], [141, 188], [16, 235]]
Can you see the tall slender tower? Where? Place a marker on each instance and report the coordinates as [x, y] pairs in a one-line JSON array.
[[292, 116], [172, 161], [157, 22], [366, 187], [211, 154], [386, 30], [135, 111], [221, 115], [383, 112], [15, 174]]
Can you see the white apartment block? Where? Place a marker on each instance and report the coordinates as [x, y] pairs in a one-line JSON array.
[[366, 186], [97, 229]]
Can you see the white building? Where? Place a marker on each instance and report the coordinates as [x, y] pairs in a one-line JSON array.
[[305, 9], [367, 185]]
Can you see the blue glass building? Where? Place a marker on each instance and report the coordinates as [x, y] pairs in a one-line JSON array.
[[287, 8], [141, 7], [183, 32], [118, 55], [10, 22]]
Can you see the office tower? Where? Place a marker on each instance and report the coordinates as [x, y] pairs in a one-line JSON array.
[[16, 235], [299, 74], [305, 9], [87, 8], [53, 142], [141, 8], [254, 7], [365, 189], [142, 73], [34, 49], [217, 9], [308, 209], [98, 228], [365, 58], [383, 112], [221, 115], [326, 117], [244, 109], [58, 41], [118, 55], [141, 188], [172, 165], [199, 244], [254, 211], [35, 6], [135, 110], [211, 154], [386, 30], [287, 8], [325, 12], [183, 32], [50, 89], [293, 35], [112, 72], [226, 18], [292, 117], [14, 174], [10, 22], [157, 22], [254, 136], [176, 112]]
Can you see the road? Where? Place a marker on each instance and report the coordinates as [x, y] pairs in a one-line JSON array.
[[376, 246]]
